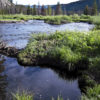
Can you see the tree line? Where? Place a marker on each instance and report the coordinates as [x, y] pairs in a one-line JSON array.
[[31, 10], [44, 10], [92, 10]]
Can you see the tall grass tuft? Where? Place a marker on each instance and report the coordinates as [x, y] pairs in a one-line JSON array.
[[92, 93], [58, 98], [22, 96]]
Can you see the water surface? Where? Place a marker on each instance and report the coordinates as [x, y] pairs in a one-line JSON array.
[[17, 34], [44, 83]]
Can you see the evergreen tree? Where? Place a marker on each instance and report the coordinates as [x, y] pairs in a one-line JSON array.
[[58, 9], [94, 9], [46, 12], [28, 10], [64, 12], [38, 9], [11, 1], [43, 11], [49, 10], [34, 10], [86, 10], [99, 6], [53, 12]]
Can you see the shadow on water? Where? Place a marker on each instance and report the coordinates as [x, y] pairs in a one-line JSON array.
[[40, 80], [44, 83], [3, 80], [84, 80]]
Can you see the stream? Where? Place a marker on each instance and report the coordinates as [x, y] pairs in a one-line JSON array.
[[43, 83]]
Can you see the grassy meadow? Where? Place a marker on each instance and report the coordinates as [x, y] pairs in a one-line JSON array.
[[57, 20]]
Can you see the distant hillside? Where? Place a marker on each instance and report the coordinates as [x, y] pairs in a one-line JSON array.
[[79, 5], [5, 3]]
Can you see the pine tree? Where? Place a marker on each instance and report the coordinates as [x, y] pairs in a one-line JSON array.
[[86, 10], [43, 11], [58, 9], [99, 6], [94, 9], [28, 10], [38, 9], [11, 1], [53, 12], [49, 10], [34, 10], [64, 12]]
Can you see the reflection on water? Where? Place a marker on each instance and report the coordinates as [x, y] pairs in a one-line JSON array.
[[17, 34], [44, 83], [3, 80]]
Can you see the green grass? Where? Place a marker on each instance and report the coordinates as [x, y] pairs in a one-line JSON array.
[[67, 19], [61, 19], [96, 22], [68, 48], [22, 96], [25, 96], [58, 20], [92, 93]]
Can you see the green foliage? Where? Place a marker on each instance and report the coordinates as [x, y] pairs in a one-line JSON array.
[[55, 19], [66, 47], [86, 10], [94, 9], [43, 10], [22, 96], [58, 20], [58, 9], [96, 20], [34, 10], [92, 93], [28, 10], [49, 10], [58, 98]]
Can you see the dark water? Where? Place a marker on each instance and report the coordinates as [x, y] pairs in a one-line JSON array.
[[44, 83]]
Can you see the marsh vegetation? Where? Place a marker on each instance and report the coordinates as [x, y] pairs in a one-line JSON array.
[[71, 50]]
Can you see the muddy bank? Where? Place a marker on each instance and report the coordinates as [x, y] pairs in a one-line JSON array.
[[12, 21], [41, 61], [29, 60], [50, 62], [8, 51]]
